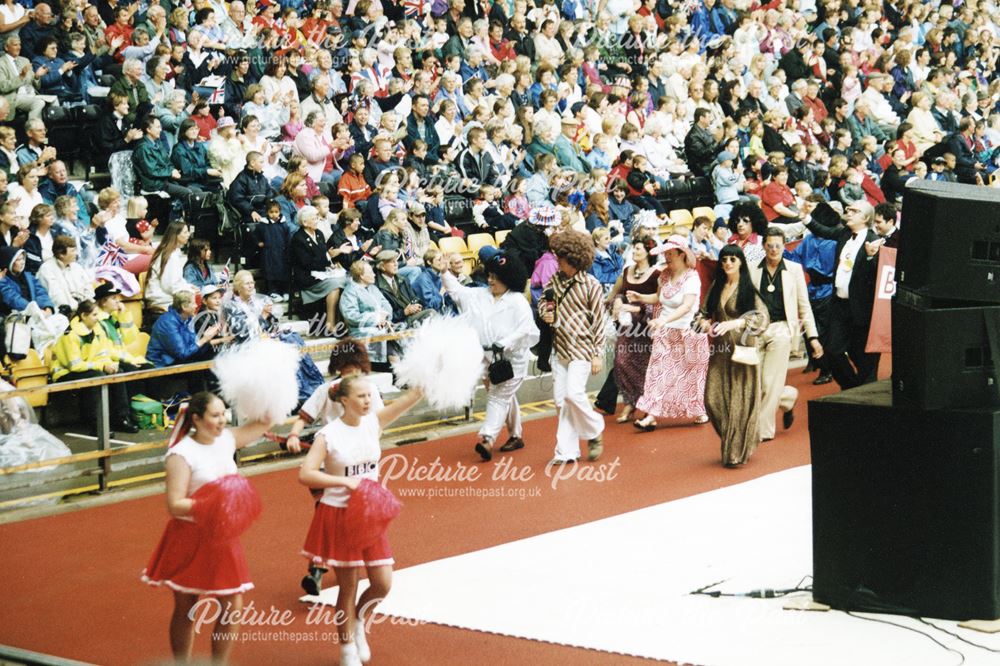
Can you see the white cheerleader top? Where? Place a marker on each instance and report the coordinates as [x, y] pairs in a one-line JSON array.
[[208, 462]]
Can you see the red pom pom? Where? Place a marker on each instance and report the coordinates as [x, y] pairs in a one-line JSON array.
[[226, 507], [369, 511]]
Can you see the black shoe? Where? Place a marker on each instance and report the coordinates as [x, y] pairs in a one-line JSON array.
[[313, 582], [512, 444], [609, 410], [126, 426], [485, 450], [788, 418], [824, 378]]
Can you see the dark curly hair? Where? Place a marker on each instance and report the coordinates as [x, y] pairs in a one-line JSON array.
[[576, 247], [749, 211], [349, 353]]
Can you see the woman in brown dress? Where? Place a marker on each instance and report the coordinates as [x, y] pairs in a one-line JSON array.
[[633, 345], [734, 314]]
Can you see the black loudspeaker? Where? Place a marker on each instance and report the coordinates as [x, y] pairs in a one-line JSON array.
[[905, 506], [941, 356], [950, 242]]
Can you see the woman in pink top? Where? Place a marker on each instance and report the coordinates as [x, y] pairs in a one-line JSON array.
[[310, 144]]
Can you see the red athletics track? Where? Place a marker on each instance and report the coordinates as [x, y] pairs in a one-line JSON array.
[[72, 580]]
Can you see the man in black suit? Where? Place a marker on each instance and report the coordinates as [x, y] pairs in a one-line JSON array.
[[406, 307], [854, 289], [885, 224]]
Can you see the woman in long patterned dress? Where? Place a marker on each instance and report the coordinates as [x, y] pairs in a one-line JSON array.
[[734, 314], [633, 344], [675, 379]]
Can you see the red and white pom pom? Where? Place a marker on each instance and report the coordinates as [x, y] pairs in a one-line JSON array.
[[370, 509], [225, 508]]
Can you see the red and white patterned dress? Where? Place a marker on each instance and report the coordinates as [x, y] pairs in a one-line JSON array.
[[678, 364]]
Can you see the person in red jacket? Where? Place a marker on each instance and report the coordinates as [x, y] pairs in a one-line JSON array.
[[353, 187]]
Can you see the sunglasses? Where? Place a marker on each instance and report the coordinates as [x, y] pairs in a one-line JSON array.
[[726, 260]]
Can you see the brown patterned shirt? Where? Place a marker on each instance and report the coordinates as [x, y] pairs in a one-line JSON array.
[[578, 330]]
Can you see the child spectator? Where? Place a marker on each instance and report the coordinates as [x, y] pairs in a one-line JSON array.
[[272, 239]]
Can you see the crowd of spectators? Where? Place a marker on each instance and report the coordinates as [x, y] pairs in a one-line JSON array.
[[345, 138]]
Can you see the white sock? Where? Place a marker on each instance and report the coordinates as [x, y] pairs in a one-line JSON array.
[[349, 655], [361, 640]]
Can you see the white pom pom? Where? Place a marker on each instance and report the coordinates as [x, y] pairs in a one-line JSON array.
[[444, 359], [258, 379]]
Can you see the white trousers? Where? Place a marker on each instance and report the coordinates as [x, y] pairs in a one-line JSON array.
[[776, 345], [577, 418], [502, 408]]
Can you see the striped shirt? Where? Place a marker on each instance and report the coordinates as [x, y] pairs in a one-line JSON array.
[[578, 331]]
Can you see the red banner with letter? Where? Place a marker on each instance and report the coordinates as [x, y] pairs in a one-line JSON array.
[[880, 332]]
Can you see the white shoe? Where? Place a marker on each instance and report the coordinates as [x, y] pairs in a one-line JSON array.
[[361, 641], [349, 655]]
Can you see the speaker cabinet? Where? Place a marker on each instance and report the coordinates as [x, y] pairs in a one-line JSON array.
[[950, 241], [905, 506], [941, 355]]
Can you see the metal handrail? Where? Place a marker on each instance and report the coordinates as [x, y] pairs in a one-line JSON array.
[[180, 369], [104, 453]]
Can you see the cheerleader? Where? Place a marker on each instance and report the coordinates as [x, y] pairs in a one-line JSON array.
[[348, 449], [347, 359], [189, 559]]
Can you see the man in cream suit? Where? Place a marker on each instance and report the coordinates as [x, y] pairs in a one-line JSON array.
[[782, 286], [17, 81]]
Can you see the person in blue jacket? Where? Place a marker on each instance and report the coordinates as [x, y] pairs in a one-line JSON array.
[[427, 285], [608, 263], [172, 340], [19, 288]]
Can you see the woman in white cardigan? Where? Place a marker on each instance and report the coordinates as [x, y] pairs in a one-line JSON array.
[[67, 282], [166, 271], [926, 131]]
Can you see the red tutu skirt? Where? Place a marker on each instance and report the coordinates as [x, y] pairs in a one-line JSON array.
[[188, 562], [326, 544]]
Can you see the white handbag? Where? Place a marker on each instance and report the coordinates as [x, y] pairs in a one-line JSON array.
[[17, 336]]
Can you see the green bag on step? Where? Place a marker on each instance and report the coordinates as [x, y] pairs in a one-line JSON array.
[[147, 413]]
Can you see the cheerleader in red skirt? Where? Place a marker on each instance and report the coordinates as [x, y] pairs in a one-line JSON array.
[[205, 557], [348, 449]]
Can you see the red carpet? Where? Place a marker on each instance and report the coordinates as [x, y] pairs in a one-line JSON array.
[[73, 587]]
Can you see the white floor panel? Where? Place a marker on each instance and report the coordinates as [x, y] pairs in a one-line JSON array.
[[623, 584]]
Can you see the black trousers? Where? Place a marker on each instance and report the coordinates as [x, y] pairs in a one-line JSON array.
[[850, 364], [607, 397], [118, 401], [821, 313]]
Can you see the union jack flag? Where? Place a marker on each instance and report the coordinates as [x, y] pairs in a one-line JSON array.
[[111, 254], [218, 96], [414, 8]]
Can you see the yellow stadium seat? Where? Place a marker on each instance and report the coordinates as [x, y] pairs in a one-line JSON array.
[[30, 372], [704, 211], [502, 236], [479, 241], [450, 244], [682, 218], [665, 231], [139, 345], [134, 307]]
